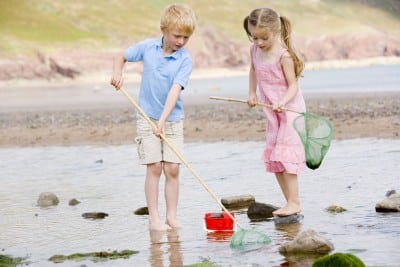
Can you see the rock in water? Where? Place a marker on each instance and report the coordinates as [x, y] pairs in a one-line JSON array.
[[295, 218], [47, 199], [142, 211], [238, 202], [339, 259], [260, 211], [94, 215], [390, 204], [307, 242]]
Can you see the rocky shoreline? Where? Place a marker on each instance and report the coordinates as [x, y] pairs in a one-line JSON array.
[[353, 116]]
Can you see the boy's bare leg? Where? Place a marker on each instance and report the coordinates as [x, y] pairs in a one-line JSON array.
[[153, 174], [171, 172]]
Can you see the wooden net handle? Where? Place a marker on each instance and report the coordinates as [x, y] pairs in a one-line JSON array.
[[201, 181], [245, 101]]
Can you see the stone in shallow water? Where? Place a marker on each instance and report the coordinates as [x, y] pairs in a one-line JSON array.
[[238, 202], [295, 218], [94, 215], [142, 211]]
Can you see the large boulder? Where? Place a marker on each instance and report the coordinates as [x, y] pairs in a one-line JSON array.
[[308, 241]]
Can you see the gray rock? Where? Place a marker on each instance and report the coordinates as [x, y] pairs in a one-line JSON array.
[[390, 192], [73, 202], [260, 211], [295, 218], [238, 202], [142, 211], [94, 215], [47, 199], [390, 204], [307, 242]]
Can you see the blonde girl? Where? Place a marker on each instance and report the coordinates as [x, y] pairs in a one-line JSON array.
[[275, 69]]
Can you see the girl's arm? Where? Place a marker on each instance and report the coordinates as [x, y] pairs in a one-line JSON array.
[[288, 69], [116, 78], [170, 103], [252, 101]]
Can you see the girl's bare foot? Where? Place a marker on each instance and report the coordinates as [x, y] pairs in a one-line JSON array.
[[173, 223], [159, 226], [287, 210]]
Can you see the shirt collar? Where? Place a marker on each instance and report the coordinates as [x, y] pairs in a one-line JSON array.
[[175, 55]]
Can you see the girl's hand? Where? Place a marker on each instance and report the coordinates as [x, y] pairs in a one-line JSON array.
[[278, 107], [252, 101], [117, 80]]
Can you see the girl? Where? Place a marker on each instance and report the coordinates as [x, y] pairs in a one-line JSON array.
[[275, 69]]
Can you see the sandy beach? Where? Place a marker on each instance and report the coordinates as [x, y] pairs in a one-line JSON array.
[[61, 117]]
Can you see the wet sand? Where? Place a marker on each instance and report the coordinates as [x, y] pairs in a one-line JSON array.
[[61, 119]]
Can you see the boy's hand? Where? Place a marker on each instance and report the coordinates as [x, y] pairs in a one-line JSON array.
[[117, 81], [159, 130]]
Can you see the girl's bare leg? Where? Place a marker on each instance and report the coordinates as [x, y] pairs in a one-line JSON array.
[[171, 172], [290, 188], [153, 174]]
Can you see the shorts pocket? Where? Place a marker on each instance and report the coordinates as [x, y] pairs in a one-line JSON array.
[[140, 149]]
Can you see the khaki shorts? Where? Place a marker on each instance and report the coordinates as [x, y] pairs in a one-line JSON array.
[[152, 149]]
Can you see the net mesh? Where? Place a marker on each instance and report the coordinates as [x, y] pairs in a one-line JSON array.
[[316, 133], [248, 238]]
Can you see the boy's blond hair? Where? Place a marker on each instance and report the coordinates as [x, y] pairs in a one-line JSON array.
[[179, 16]]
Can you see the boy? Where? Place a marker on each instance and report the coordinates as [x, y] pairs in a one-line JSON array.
[[166, 70]]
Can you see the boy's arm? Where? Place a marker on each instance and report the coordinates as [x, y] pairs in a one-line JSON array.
[[117, 78], [170, 103]]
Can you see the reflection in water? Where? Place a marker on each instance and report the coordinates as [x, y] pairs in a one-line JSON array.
[[157, 248], [289, 230], [219, 236]]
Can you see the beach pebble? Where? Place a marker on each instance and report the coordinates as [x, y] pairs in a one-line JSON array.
[[390, 204], [142, 211], [94, 215], [47, 199], [260, 211], [335, 209], [73, 202], [308, 241], [238, 202]]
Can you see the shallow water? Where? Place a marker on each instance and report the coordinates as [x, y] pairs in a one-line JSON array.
[[355, 174]]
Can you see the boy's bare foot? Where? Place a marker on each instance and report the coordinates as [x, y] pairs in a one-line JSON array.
[[173, 223], [287, 210], [159, 226]]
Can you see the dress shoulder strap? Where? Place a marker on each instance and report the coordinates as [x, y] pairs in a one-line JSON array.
[[283, 51]]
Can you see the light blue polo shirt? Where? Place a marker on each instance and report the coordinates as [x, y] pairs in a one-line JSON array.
[[159, 74]]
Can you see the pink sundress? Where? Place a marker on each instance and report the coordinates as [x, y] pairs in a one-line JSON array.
[[284, 151]]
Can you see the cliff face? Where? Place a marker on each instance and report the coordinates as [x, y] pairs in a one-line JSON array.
[[209, 49]]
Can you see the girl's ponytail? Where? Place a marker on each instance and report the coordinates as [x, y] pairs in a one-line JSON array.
[[286, 30]]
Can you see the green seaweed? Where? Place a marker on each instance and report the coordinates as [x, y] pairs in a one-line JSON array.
[[8, 261], [338, 259], [204, 263], [94, 256]]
